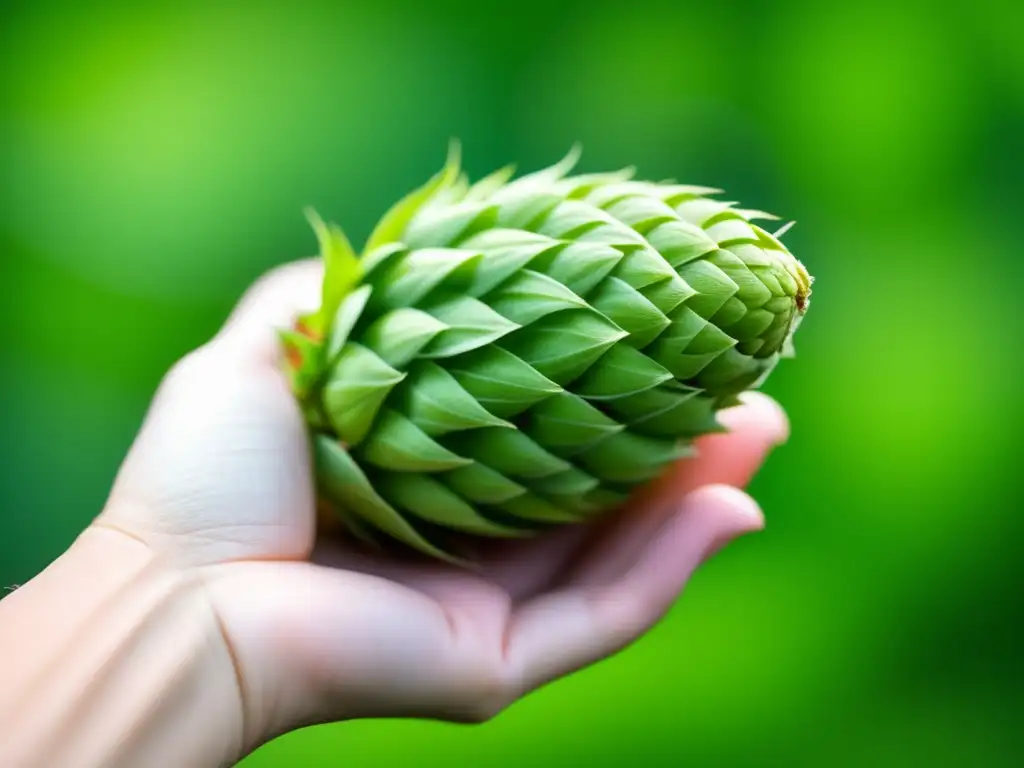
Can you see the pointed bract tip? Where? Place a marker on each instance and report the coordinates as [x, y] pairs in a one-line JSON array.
[[783, 229], [567, 163], [454, 158], [313, 217], [320, 228]]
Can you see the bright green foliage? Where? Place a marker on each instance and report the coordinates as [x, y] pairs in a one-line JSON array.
[[512, 354]]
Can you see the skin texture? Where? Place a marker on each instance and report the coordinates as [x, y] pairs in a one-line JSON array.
[[215, 503]]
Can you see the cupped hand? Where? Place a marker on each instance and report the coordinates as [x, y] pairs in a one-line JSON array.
[[219, 483]]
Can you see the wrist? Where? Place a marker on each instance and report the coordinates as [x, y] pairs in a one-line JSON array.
[[112, 656]]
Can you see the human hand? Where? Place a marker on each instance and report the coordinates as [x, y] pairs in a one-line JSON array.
[[219, 485]]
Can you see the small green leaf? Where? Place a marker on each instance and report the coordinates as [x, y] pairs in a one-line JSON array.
[[525, 212], [669, 347], [451, 225], [562, 346], [750, 347], [770, 278], [582, 266], [543, 178], [675, 194], [419, 272], [379, 260], [710, 341], [580, 186], [532, 507], [566, 423], [620, 372], [506, 252], [341, 265], [641, 212], [500, 381], [709, 344], [630, 310], [668, 294], [733, 311], [698, 210], [490, 184], [392, 225], [631, 458], [355, 390], [752, 291], [529, 296], [604, 196], [730, 372], [435, 402], [609, 232], [571, 482], [751, 325], [426, 498], [341, 480], [571, 219], [398, 336], [481, 484], [508, 451], [644, 266], [680, 242], [754, 256], [345, 319], [729, 228], [671, 410], [397, 444], [470, 324]]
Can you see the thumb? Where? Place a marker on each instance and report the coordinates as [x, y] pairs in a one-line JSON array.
[[270, 305]]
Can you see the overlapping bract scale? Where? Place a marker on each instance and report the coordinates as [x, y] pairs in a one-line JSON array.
[[515, 354]]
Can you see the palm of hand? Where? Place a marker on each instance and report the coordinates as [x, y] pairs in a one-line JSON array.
[[219, 482]]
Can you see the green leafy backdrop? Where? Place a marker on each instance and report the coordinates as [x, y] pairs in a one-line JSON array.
[[155, 160]]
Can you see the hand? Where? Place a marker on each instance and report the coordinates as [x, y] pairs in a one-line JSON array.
[[219, 484]]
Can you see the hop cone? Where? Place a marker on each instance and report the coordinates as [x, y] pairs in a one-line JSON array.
[[510, 355]]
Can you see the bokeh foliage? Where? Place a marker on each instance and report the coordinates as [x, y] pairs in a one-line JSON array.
[[155, 159]]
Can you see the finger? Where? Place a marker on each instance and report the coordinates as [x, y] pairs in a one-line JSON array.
[[271, 304], [731, 459], [728, 458], [563, 631]]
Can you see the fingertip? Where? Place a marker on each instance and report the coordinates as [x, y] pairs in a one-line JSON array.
[[734, 509], [271, 304], [761, 413]]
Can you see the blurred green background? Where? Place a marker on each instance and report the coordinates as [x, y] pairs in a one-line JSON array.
[[156, 160]]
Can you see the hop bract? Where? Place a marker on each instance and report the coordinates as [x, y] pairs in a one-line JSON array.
[[508, 355]]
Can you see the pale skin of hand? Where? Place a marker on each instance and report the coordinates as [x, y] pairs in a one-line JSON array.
[[217, 492]]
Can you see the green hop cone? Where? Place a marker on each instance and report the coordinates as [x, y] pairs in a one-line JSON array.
[[511, 355]]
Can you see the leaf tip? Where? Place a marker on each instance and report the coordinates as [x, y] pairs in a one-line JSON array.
[[783, 229], [453, 161]]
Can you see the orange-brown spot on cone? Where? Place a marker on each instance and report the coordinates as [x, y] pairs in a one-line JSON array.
[[293, 357], [309, 333]]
